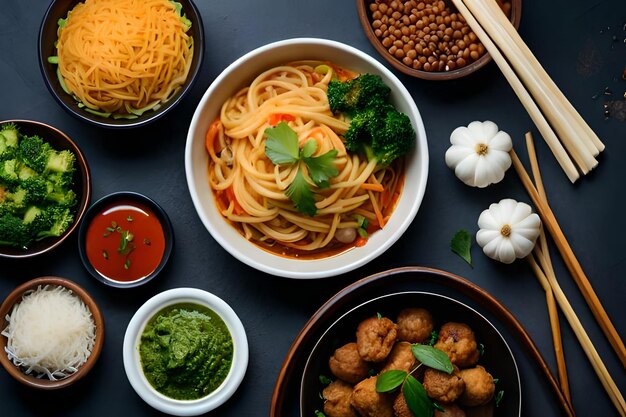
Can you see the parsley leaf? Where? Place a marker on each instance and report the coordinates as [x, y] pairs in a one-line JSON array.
[[299, 192], [282, 148], [322, 167], [281, 145], [461, 244]]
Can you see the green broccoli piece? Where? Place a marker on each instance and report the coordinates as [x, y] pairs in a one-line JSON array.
[[62, 161], [393, 138], [13, 232], [8, 134], [365, 91], [53, 221], [36, 189], [35, 152], [8, 146], [9, 170]]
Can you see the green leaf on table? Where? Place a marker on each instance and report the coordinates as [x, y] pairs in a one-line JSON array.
[[461, 244], [389, 380], [416, 398], [433, 358]]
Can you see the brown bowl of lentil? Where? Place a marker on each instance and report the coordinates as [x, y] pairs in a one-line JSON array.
[[427, 39]]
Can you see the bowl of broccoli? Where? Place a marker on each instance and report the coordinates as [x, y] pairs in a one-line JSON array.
[[45, 188]]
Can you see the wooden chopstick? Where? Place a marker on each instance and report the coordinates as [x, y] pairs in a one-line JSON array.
[[531, 107], [551, 224], [545, 97], [556, 335], [531, 60], [603, 374], [542, 253]]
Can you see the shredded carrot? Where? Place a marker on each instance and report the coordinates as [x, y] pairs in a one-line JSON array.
[[237, 209], [209, 140], [379, 215], [276, 118], [373, 187], [360, 241]]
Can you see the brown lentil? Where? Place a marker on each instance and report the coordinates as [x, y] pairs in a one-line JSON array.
[[427, 34]]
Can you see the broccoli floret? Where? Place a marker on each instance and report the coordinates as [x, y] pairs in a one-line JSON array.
[[51, 222], [62, 161], [393, 138], [35, 152], [13, 232], [9, 132], [9, 170], [365, 91], [36, 190]]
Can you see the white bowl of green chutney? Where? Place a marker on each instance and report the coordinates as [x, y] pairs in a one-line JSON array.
[[185, 352]]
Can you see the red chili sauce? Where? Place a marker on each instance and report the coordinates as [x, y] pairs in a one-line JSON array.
[[125, 242]]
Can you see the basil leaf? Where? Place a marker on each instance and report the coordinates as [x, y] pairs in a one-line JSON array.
[[281, 145], [433, 358], [416, 398], [461, 244], [389, 380]]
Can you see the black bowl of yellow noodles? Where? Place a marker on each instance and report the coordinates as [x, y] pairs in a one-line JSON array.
[[137, 86]]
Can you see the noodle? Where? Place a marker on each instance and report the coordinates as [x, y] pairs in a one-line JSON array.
[[124, 56], [250, 189]]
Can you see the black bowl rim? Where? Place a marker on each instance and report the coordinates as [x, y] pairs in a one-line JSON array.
[[421, 293], [83, 167], [166, 224], [194, 16]]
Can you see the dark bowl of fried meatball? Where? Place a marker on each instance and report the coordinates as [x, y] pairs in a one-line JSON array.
[[375, 342]]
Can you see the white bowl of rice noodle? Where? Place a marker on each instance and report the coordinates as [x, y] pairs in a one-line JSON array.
[[266, 242], [52, 333]]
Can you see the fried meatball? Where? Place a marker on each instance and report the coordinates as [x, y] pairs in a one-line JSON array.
[[458, 342], [414, 325], [450, 410], [479, 386], [375, 337], [337, 400], [369, 403], [347, 364], [443, 387], [400, 358], [400, 407]]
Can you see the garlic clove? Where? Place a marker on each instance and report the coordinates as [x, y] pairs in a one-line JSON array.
[[506, 251], [461, 136], [501, 141], [458, 153], [465, 169]]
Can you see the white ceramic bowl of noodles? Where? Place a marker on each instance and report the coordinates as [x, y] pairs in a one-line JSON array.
[[239, 74]]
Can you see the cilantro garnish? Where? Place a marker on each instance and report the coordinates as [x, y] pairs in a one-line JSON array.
[[281, 147]]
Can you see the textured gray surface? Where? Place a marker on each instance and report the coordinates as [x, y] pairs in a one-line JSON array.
[[577, 50]]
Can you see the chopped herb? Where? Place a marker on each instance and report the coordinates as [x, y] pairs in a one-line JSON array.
[[105, 235], [379, 316], [129, 218], [461, 245], [113, 224], [496, 380], [110, 229], [325, 380], [281, 147], [438, 407], [318, 413], [481, 349], [127, 264], [498, 397], [105, 254], [362, 224], [434, 335]]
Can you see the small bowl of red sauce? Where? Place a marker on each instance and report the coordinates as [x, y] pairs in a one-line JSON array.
[[125, 239]]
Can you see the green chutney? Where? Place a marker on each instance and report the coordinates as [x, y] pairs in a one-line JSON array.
[[186, 351]]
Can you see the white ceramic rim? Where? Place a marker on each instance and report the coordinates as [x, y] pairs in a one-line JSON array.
[[132, 363], [226, 235], [428, 294]]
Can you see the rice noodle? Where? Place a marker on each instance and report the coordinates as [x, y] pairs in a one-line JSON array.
[[50, 333]]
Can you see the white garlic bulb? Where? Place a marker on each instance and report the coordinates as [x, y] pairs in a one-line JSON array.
[[479, 154], [508, 230]]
